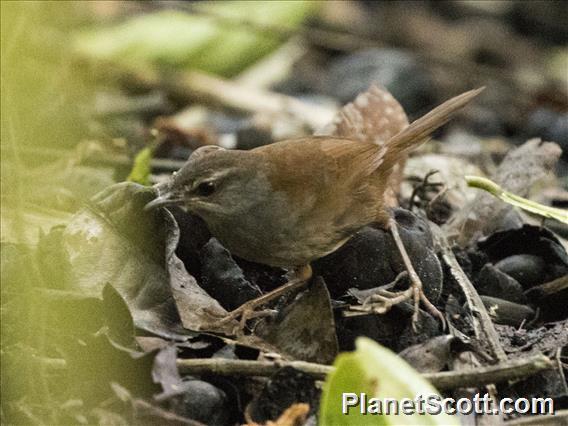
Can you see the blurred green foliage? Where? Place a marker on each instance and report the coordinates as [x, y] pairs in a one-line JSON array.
[[59, 349], [45, 94], [44, 105], [46, 100], [140, 172], [222, 38]]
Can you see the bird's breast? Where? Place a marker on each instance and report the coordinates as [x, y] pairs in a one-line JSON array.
[[278, 235]]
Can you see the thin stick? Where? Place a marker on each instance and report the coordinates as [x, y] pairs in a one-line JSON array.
[[502, 372], [482, 321], [206, 87], [561, 369], [479, 376], [232, 367]]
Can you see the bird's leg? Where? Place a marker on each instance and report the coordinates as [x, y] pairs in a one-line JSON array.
[[301, 276], [415, 291]]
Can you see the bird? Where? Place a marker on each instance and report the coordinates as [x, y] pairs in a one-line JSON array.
[[291, 202]]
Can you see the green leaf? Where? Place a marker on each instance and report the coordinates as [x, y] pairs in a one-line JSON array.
[[379, 373], [223, 39], [515, 200], [140, 172]]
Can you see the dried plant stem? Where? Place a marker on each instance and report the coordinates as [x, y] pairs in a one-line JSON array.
[[481, 320], [502, 372], [205, 87], [479, 376], [230, 367]]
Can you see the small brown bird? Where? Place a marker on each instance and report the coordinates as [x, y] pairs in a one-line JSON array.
[[291, 202]]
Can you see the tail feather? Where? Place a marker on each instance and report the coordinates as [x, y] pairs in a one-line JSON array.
[[417, 133]]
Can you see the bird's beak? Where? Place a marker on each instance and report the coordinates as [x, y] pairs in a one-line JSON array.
[[167, 196]]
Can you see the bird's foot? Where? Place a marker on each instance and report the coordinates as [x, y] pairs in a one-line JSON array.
[[248, 309], [382, 301], [415, 291]]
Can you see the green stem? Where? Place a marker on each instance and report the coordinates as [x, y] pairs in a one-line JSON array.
[[515, 200]]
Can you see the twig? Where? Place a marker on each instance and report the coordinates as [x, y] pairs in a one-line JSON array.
[[481, 320], [510, 370], [561, 369], [422, 185], [231, 367], [275, 67], [505, 371], [195, 86], [205, 87]]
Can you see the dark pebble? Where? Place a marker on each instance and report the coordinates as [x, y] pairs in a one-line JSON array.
[[486, 123], [545, 20], [201, 401], [507, 313], [527, 269], [493, 282], [550, 126], [252, 135], [370, 258], [545, 384], [527, 240], [393, 329], [222, 278], [551, 298], [363, 263], [433, 355]]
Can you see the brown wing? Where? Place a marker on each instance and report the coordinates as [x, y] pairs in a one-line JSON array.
[[327, 178], [320, 160], [379, 160], [374, 117]]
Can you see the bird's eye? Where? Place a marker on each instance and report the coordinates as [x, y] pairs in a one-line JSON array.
[[205, 189]]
